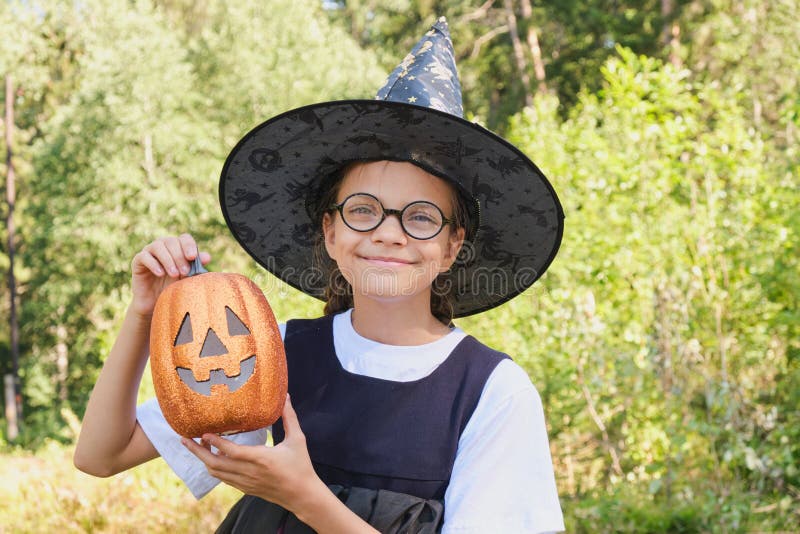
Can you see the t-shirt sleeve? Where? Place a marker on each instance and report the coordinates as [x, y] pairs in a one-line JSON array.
[[503, 479], [185, 464], [168, 444]]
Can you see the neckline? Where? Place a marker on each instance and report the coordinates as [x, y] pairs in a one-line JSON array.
[[347, 317], [398, 348]]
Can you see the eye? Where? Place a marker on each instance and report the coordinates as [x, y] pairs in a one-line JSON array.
[[362, 209], [421, 218], [235, 325], [426, 215], [184, 332]]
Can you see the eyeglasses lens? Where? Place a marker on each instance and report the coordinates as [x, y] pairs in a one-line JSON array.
[[421, 220], [362, 212]]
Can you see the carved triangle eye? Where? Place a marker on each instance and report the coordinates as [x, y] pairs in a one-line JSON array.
[[184, 332], [235, 325]]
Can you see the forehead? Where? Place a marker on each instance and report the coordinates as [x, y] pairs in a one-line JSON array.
[[395, 183]]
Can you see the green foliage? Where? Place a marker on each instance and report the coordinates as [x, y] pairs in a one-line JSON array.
[[576, 38], [664, 340], [129, 145], [656, 309], [629, 511]]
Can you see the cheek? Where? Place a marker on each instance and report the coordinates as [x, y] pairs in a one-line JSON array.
[[328, 233], [443, 257], [342, 244], [446, 251]]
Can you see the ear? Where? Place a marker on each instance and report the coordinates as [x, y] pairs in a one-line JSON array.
[[329, 231], [454, 243]]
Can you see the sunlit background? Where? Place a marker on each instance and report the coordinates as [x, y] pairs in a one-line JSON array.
[[663, 340]]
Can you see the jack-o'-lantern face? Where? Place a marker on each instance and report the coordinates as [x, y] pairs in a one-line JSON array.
[[217, 358], [213, 347]]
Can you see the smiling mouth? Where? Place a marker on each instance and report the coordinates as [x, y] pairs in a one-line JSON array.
[[218, 376], [387, 261]]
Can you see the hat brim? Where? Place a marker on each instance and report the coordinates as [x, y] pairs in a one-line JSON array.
[[274, 168]]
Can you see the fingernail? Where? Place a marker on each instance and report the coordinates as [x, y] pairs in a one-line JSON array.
[[173, 271], [185, 269], [184, 442]]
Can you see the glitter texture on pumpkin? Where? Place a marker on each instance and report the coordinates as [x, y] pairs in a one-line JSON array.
[[208, 327]]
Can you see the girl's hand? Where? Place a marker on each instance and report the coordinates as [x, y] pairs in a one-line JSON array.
[[159, 264], [282, 474]]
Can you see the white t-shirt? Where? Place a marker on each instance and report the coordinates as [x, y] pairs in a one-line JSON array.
[[502, 478]]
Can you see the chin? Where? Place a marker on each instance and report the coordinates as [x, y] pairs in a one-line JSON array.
[[392, 289]]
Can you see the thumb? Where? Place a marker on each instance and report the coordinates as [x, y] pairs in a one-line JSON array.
[[291, 425]]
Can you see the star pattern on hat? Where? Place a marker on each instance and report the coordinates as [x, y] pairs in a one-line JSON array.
[[428, 73]]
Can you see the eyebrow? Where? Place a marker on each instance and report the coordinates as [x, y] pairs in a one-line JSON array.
[[448, 202]]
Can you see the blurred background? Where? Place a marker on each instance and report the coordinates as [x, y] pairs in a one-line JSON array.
[[663, 339]]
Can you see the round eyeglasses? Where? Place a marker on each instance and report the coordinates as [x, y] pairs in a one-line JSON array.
[[363, 212]]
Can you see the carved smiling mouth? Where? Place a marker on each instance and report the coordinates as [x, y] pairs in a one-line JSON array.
[[218, 376]]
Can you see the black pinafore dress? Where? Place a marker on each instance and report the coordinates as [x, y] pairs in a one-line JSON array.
[[385, 448]]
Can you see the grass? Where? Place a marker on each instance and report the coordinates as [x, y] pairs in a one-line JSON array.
[[44, 493]]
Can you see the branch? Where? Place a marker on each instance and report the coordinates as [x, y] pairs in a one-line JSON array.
[[587, 395], [478, 13], [485, 38]]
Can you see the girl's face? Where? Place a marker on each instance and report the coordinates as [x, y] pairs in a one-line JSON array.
[[386, 263]]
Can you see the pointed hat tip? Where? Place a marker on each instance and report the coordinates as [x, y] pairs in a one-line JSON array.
[[442, 26]]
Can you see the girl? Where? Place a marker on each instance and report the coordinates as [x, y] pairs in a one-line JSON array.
[[397, 420]]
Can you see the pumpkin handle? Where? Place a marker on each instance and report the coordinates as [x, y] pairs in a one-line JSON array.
[[197, 267]]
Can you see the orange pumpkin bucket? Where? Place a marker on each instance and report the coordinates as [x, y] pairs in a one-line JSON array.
[[216, 355]]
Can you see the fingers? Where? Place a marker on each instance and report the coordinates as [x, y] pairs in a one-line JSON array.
[[163, 255], [202, 451], [170, 255], [220, 460], [188, 246], [148, 261], [176, 254], [291, 425], [229, 462], [225, 447]]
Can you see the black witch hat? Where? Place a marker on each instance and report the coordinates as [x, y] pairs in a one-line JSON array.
[[273, 177]]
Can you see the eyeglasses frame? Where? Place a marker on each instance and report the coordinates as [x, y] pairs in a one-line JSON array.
[[389, 211]]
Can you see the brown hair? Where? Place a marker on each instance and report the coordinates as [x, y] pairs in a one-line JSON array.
[[339, 293]]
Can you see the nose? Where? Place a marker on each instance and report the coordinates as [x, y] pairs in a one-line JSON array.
[[212, 346], [390, 231]]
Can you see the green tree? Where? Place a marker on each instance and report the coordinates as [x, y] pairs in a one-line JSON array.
[[135, 151], [659, 335], [571, 39]]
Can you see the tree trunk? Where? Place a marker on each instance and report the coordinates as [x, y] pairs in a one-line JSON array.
[[519, 53], [62, 362], [11, 407], [533, 45], [15, 413], [671, 32]]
